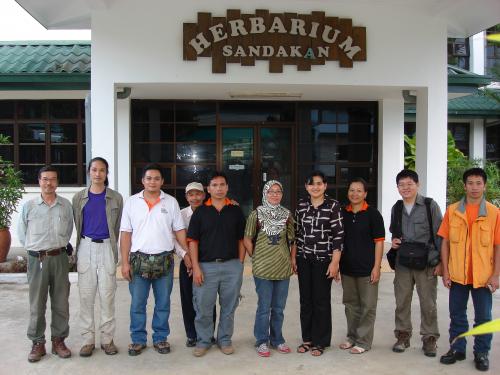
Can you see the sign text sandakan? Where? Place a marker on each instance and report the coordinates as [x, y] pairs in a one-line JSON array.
[[282, 38]]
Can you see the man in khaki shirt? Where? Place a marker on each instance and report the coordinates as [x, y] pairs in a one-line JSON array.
[[45, 227]]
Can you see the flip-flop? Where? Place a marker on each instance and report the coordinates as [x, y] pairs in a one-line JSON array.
[[304, 348], [318, 349], [357, 350], [346, 345]]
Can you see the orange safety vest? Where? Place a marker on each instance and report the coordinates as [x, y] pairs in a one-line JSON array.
[[481, 237]]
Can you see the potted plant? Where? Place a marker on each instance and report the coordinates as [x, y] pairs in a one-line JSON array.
[[11, 191]]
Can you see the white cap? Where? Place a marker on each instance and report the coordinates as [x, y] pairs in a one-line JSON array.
[[194, 186]]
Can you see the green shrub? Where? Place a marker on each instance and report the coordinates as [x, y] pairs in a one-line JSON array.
[[11, 188]]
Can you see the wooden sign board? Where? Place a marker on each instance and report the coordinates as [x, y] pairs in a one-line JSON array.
[[281, 38]]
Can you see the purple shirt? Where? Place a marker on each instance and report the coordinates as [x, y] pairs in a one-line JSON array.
[[95, 224]]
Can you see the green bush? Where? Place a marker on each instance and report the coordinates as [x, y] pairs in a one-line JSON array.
[[11, 188]]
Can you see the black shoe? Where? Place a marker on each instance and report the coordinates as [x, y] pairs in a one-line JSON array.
[[213, 340], [481, 361], [190, 343], [451, 357]]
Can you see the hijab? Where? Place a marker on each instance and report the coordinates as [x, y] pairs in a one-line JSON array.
[[272, 218]]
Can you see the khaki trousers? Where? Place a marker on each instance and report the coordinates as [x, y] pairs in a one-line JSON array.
[[360, 301], [404, 281], [96, 273], [49, 279]]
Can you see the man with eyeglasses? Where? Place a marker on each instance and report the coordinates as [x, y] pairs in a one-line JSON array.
[[45, 227], [150, 221], [410, 224]]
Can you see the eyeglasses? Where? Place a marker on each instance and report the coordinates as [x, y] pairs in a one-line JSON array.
[[409, 185], [46, 179], [274, 192], [149, 178]]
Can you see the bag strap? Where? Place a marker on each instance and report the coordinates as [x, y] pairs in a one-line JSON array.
[[428, 202], [398, 217]]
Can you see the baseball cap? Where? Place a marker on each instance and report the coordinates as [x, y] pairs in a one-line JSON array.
[[194, 186]]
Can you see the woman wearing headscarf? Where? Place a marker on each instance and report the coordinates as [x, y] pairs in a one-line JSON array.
[[269, 233]]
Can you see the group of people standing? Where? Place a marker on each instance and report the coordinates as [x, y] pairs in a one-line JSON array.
[[321, 242]]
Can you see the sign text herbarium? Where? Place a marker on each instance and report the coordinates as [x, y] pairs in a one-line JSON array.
[[281, 38]]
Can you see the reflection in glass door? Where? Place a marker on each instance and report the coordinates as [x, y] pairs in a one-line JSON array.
[[253, 155], [238, 164], [275, 159]]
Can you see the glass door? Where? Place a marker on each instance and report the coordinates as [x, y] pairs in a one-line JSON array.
[[253, 155]]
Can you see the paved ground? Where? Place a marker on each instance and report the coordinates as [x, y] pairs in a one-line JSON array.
[[380, 360]]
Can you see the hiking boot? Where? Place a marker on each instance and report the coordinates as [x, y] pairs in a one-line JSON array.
[[227, 350], [135, 349], [429, 346], [451, 357], [403, 342], [162, 347], [109, 349], [200, 351], [86, 350], [37, 352], [481, 361], [59, 348]]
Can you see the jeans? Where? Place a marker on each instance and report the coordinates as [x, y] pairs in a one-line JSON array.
[[225, 279], [272, 295], [139, 290], [482, 300]]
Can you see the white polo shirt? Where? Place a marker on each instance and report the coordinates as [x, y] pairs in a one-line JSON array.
[[152, 230]]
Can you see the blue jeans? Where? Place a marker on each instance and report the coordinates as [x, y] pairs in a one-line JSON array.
[[270, 306], [482, 300], [139, 290], [225, 279]]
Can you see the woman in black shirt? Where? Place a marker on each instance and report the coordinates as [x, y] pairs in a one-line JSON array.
[[360, 267]]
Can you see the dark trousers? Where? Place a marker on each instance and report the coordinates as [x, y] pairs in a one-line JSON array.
[[315, 302], [482, 300], [188, 313]]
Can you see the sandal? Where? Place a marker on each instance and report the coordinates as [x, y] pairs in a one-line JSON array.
[[304, 347], [357, 350], [346, 345], [318, 349]]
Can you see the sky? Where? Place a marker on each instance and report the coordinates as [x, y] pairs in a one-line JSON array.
[[17, 24]]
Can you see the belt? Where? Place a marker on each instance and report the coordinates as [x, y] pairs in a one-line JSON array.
[[220, 260], [43, 253], [164, 253], [94, 240]]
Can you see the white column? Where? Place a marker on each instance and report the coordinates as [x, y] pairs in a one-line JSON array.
[[477, 139], [477, 43], [431, 147], [123, 163], [390, 155], [104, 126]]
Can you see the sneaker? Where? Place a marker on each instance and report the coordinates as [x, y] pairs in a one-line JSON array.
[[37, 352], [162, 347], [403, 342], [86, 350], [283, 348], [263, 350], [481, 361], [429, 346], [451, 357], [200, 351]]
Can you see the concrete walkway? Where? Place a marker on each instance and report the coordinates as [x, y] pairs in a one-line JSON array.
[[380, 360]]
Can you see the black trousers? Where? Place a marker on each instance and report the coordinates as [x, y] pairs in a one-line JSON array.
[[188, 313], [315, 302]]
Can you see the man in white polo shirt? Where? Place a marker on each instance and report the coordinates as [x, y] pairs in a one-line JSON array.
[[150, 220]]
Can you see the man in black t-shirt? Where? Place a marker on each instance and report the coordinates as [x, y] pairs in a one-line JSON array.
[[216, 248]]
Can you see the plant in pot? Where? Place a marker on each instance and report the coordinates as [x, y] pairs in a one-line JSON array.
[[11, 191]]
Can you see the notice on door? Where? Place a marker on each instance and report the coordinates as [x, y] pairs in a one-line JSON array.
[[237, 153], [236, 167]]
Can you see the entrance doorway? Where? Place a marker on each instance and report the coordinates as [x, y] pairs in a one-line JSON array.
[[253, 155]]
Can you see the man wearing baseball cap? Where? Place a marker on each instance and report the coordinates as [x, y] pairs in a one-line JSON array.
[[195, 195]]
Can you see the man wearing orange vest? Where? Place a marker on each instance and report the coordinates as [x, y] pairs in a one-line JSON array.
[[470, 254]]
